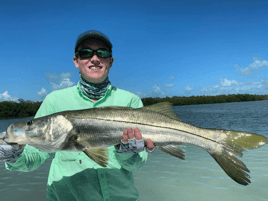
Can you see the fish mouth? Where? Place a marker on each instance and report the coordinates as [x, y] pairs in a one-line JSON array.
[[5, 135], [9, 131], [2, 138], [12, 135]]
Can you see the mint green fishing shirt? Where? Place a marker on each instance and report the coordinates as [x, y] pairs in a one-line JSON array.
[[73, 176]]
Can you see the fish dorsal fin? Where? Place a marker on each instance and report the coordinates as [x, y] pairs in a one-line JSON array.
[[164, 108]]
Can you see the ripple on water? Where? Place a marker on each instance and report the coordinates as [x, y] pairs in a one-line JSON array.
[[14, 184], [5, 178], [25, 189], [3, 189]]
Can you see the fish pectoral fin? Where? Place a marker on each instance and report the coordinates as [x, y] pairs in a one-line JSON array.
[[98, 154], [232, 166], [173, 150]]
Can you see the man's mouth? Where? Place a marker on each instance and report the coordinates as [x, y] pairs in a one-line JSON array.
[[95, 67]]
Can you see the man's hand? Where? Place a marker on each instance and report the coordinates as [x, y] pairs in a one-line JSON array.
[[132, 142], [9, 153], [129, 133]]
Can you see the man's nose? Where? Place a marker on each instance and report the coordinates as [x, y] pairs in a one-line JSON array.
[[95, 55], [95, 58]]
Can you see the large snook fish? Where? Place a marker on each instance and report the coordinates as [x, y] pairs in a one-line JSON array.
[[92, 130]]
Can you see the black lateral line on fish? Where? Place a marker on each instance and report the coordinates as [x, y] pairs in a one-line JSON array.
[[159, 127]]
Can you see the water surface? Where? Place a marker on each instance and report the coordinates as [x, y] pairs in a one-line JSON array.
[[167, 178]]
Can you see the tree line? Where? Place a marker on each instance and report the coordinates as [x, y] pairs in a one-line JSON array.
[[194, 100], [22, 108]]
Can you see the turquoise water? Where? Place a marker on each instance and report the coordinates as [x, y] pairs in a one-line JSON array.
[[164, 177]]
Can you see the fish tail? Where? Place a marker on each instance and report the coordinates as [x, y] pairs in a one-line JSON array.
[[235, 143], [238, 141], [232, 166]]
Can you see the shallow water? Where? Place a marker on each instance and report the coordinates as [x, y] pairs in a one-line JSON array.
[[199, 177], [165, 177]]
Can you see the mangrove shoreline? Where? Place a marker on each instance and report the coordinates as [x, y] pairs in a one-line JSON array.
[[22, 108]]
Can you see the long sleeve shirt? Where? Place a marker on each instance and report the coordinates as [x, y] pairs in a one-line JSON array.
[[74, 176]]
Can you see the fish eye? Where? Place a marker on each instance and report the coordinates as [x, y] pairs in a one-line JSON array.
[[29, 123]]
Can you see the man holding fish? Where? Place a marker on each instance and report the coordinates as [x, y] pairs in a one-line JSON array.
[[73, 175], [87, 122]]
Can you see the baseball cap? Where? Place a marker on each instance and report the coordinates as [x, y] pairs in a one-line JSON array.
[[92, 34]]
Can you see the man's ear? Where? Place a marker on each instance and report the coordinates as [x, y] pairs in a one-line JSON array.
[[75, 60], [111, 61]]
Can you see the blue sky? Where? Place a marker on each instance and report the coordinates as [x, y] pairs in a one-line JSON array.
[[161, 48]]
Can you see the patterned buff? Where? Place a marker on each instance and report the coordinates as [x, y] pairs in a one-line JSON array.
[[94, 91]]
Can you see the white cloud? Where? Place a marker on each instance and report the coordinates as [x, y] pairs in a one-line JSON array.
[[227, 83], [226, 86], [61, 81], [6, 97], [156, 92], [64, 83], [256, 65], [169, 85], [42, 93], [188, 89]]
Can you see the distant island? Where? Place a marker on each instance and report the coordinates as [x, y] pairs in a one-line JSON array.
[[22, 109]]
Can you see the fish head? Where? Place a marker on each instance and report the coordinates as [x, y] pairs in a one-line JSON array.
[[48, 133], [22, 132]]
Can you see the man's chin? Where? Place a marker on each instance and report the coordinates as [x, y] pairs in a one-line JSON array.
[[96, 80]]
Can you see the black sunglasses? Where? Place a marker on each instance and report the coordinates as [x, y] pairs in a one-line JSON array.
[[88, 53]]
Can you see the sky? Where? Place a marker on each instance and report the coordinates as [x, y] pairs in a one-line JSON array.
[[161, 48]]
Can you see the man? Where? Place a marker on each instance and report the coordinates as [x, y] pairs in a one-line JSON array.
[[73, 176]]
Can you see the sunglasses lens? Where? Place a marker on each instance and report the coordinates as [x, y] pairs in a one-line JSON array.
[[103, 53], [85, 53]]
